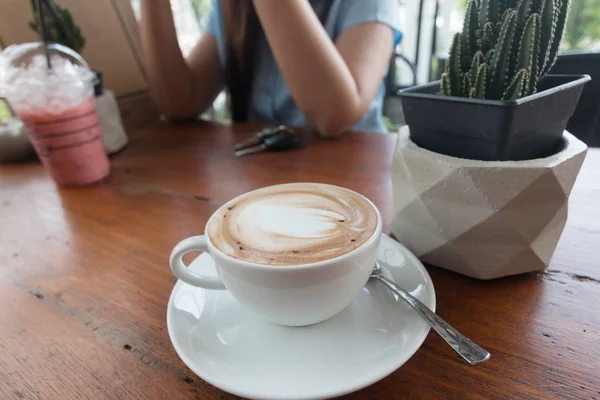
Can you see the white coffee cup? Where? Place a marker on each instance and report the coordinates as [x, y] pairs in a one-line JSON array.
[[294, 295]]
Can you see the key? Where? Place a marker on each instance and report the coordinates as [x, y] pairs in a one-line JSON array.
[[258, 137], [251, 150], [281, 141]]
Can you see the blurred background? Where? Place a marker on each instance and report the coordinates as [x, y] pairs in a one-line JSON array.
[[428, 27], [113, 44]]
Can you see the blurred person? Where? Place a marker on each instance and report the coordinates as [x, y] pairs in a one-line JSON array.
[[318, 63]]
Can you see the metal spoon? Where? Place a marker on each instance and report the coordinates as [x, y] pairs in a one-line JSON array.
[[469, 351]]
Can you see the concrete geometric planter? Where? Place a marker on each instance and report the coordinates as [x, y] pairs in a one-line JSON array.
[[483, 219]]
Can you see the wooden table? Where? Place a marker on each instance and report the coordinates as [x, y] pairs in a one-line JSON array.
[[84, 277]]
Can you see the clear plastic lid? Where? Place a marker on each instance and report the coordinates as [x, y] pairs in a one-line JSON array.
[[25, 78]]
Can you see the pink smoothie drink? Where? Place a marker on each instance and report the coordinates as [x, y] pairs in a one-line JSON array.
[[51, 89], [69, 143]]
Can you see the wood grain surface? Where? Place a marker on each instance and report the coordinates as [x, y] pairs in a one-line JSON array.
[[84, 277]]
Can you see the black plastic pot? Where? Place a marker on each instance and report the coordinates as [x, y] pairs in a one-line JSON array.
[[585, 122], [523, 129]]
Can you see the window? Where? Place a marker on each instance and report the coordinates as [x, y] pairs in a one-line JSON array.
[[583, 27], [188, 15]]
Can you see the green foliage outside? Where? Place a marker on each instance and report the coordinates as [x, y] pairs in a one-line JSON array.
[[583, 28], [201, 7], [391, 126]]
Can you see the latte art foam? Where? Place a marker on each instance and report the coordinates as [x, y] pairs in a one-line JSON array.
[[292, 224]]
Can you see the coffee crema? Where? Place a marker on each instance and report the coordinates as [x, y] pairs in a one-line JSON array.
[[292, 224]]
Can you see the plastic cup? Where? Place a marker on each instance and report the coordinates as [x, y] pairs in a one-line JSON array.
[[68, 142], [58, 109]]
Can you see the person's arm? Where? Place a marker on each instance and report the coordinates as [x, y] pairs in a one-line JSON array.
[[332, 84], [181, 88]]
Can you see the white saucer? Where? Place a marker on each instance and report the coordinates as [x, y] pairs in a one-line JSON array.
[[235, 350]]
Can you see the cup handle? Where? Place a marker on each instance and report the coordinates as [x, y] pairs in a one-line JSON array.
[[194, 243]]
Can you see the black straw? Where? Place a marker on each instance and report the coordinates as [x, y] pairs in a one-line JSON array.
[[44, 32], [56, 23]]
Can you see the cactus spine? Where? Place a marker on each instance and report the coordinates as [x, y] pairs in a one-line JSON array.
[[505, 48]]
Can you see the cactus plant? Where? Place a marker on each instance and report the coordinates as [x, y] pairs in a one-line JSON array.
[[61, 26], [505, 48]]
